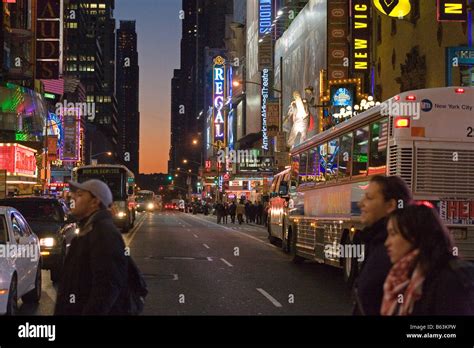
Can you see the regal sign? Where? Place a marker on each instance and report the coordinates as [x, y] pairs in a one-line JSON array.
[[48, 48], [219, 91]]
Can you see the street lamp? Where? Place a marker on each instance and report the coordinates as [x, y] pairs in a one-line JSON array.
[[108, 153]]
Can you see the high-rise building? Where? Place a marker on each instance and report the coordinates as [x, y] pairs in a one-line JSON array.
[[90, 55], [127, 92], [203, 28]]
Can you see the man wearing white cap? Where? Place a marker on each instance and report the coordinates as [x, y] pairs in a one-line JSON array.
[[94, 278]]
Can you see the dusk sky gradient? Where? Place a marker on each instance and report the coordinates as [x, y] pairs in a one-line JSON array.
[[159, 37]]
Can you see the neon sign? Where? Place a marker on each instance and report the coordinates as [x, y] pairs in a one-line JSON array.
[[218, 100], [361, 34], [265, 17], [265, 84], [394, 8]]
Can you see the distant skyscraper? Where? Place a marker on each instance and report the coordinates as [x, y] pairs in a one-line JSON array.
[[127, 91]]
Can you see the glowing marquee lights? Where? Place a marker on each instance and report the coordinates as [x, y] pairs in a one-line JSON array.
[[219, 98]]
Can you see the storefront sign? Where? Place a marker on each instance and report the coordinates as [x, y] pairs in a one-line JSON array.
[[361, 35], [393, 8], [17, 160], [458, 57], [219, 73], [265, 90], [452, 10], [48, 48]]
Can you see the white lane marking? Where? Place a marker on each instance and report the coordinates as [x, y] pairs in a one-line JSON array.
[[178, 258], [227, 262], [239, 232], [128, 239], [209, 259], [195, 236], [206, 246], [269, 297]]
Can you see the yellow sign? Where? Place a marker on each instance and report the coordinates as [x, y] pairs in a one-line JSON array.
[[393, 8]]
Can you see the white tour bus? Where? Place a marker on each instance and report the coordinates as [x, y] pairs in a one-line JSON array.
[[427, 139]]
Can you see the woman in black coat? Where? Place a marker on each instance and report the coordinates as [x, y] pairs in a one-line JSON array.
[[427, 277]]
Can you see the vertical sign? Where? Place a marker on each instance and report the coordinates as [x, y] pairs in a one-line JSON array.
[[265, 89], [338, 30], [218, 97], [48, 35], [361, 35], [265, 42], [71, 135], [3, 183], [452, 10]]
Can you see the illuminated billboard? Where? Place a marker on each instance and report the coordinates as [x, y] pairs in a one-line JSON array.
[[18, 160], [218, 97]]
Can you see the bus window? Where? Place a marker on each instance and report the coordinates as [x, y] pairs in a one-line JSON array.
[[378, 147], [303, 172], [323, 155], [295, 166], [331, 168], [312, 165], [345, 156], [361, 147]]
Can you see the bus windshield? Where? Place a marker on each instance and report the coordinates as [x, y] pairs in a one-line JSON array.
[[113, 177]]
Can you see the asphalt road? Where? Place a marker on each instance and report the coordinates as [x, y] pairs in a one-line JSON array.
[[195, 267]]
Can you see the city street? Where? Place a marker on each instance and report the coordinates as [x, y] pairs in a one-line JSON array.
[[195, 267]]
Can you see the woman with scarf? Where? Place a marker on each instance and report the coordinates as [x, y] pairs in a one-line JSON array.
[[427, 278]]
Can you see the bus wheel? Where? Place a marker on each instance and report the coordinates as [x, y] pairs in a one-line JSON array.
[[270, 237], [292, 242]]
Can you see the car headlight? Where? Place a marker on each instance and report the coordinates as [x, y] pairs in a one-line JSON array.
[[47, 242], [151, 206], [121, 215], [138, 205]]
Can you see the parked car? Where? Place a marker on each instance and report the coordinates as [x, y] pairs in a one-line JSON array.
[[48, 217], [20, 264]]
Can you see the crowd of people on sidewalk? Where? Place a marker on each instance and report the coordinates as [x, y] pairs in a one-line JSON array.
[[248, 211]]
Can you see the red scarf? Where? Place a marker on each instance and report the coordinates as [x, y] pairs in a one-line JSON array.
[[403, 286]]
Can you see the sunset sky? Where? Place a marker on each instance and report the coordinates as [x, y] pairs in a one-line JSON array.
[[159, 36]]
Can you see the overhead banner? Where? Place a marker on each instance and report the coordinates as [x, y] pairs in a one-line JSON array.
[[70, 146]]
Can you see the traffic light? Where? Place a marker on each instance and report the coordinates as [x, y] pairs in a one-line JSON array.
[[170, 178]]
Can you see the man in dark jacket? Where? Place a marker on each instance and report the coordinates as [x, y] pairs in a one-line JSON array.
[[232, 211], [95, 273]]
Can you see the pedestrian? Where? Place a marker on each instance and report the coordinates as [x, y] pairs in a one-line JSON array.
[[226, 212], [247, 212], [240, 210], [232, 211], [266, 207], [95, 271], [219, 212], [427, 275], [382, 196], [259, 210]]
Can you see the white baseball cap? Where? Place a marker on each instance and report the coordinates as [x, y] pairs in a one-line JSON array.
[[97, 188]]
